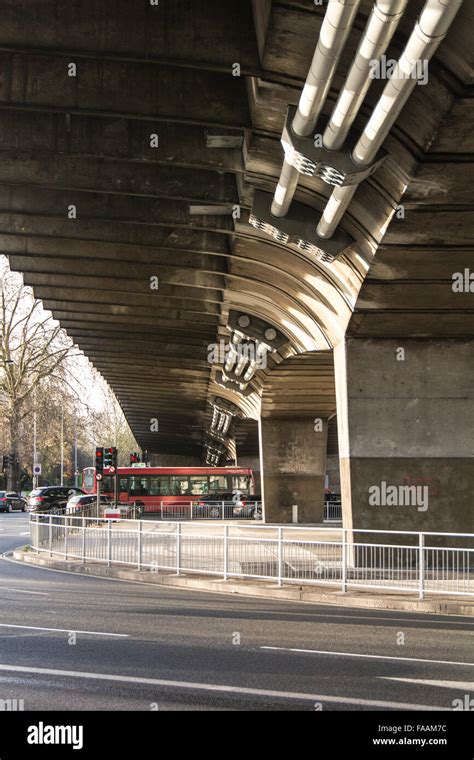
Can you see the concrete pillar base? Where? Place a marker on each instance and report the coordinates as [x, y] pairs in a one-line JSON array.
[[406, 416], [293, 453]]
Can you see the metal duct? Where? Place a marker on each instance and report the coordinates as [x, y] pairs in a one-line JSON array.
[[337, 23], [431, 28], [378, 33]]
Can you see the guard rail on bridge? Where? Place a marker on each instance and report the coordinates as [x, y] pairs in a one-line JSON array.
[[437, 563]]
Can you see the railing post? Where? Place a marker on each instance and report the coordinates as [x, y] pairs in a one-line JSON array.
[[223, 517], [83, 540], [280, 556], [344, 561], [178, 549], [191, 508], [139, 549], [421, 566], [50, 534], [161, 510], [109, 543], [66, 537], [226, 551]]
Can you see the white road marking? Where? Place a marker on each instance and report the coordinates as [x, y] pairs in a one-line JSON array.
[[369, 656], [459, 685], [27, 533], [217, 688], [65, 630], [22, 591]]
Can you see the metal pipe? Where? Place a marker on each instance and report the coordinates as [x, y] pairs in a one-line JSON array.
[[378, 33], [431, 28], [334, 210], [337, 23]]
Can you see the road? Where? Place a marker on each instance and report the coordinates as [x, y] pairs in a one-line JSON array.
[[73, 643]]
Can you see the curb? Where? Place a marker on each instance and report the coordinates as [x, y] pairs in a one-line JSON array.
[[352, 599]]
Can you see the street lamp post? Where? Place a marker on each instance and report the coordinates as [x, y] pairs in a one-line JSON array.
[[62, 446], [76, 472], [35, 477]]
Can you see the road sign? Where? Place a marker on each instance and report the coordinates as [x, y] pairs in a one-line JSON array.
[[98, 476], [37, 469]]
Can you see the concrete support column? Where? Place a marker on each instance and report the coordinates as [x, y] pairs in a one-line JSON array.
[[405, 413], [293, 467]]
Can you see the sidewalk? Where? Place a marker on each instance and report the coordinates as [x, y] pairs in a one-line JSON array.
[[366, 599]]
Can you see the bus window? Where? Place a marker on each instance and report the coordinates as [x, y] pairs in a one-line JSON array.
[[240, 482], [218, 483], [138, 486], [123, 484], [178, 485], [159, 486], [107, 484], [199, 485]]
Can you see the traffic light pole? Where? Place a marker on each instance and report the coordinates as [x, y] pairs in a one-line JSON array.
[[98, 482], [116, 490]]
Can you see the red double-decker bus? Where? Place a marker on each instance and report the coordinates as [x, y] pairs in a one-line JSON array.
[[167, 486]]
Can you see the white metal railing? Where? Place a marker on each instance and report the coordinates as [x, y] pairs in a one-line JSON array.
[[437, 563], [204, 510], [332, 511]]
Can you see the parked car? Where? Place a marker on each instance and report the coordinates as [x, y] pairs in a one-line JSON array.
[[210, 506], [85, 502], [9, 501], [251, 508], [52, 499]]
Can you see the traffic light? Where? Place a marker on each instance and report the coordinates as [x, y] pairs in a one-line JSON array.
[[110, 458], [99, 460], [9, 459]]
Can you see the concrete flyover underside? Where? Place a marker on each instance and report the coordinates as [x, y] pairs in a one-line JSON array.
[[157, 137]]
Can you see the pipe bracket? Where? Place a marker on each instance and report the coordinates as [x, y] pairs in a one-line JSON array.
[[299, 228], [335, 167]]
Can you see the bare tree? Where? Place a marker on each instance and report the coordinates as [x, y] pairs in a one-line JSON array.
[[33, 350], [109, 427]]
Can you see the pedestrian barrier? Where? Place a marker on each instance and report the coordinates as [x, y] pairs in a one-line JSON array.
[[205, 510], [405, 561], [332, 511]]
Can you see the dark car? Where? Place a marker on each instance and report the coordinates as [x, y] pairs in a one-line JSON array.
[[250, 508], [52, 499], [9, 501], [210, 506], [82, 503]]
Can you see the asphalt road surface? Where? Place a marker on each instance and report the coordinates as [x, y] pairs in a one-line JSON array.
[[69, 642]]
